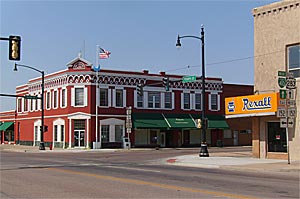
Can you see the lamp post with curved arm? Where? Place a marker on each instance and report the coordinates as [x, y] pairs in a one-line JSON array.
[[42, 145], [203, 150]]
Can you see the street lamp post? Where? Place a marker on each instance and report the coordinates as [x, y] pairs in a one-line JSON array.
[[42, 145], [203, 150]]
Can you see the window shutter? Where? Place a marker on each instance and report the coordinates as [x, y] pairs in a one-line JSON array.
[[182, 101], [135, 98], [218, 102], [73, 97], [124, 98], [193, 101], [113, 97], [109, 97], [162, 100], [85, 96], [209, 102], [173, 100]]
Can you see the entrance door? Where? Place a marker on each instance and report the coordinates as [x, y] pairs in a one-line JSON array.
[[78, 138], [235, 138], [162, 139]]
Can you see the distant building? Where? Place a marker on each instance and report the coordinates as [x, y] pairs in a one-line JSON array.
[[158, 117]]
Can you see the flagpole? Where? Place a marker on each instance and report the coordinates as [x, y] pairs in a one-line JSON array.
[[97, 65]]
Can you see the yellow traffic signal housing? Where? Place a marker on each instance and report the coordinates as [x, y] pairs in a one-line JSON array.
[[14, 48]]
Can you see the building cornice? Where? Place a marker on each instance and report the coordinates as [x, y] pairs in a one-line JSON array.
[[276, 8]]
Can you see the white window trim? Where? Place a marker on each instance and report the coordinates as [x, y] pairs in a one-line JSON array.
[[114, 100], [21, 105], [194, 102], [85, 96], [57, 102], [112, 123], [218, 101], [59, 122], [109, 93], [60, 96], [50, 102], [182, 100]]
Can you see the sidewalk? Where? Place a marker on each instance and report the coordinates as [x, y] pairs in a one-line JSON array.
[[234, 162]]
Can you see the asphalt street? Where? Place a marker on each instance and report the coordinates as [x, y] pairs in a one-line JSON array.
[[139, 174]]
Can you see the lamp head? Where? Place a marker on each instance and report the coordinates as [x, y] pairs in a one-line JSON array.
[[15, 69], [178, 44]]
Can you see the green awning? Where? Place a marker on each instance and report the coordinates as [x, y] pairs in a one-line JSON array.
[[180, 121], [4, 126], [148, 121], [214, 121], [217, 124]]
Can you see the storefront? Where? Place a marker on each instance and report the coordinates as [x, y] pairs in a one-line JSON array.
[[269, 139], [175, 130], [7, 132]]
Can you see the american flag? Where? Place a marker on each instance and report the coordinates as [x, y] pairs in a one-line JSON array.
[[103, 54]]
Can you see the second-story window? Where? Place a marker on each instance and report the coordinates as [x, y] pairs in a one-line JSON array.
[[198, 101], [48, 100], [20, 105], [168, 100], [55, 99], [153, 100], [25, 105], [294, 59], [119, 98], [214, 102], [63, 97], [140, 101], [79, 96], [186, 101], [103, 97]]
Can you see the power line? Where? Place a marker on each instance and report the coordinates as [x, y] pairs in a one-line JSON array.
[[226, 61]]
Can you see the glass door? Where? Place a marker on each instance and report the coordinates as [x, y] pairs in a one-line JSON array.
[[78, 138]]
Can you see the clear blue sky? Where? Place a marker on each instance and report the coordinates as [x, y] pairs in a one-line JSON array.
[[139, 34]]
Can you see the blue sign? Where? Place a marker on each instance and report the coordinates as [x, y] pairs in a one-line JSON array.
[[97, 68]]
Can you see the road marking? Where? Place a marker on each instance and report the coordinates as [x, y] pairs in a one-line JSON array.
[[140, 182], [136, 169]]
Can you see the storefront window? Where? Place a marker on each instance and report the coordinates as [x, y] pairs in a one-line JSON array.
[[105, 133], [276, 138], [118, 133]]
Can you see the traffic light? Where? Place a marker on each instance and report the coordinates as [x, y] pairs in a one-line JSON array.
[[140, 89], [14, 48], [166, 83]]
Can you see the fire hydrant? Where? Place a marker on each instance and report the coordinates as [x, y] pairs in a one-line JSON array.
[[50, 146]]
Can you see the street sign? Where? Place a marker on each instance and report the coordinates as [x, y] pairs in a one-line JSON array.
[[290, 94], [282, 73], [282, 94], [290, 123], [282, 102], [281, 112], [186, 79], [31, 97], [291, 102], [292, 112], [290, 74], [283, 122], [281, 82], [128, 130], [290, 83], [129, 125]]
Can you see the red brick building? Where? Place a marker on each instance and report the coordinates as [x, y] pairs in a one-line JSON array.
[[158, 117]]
